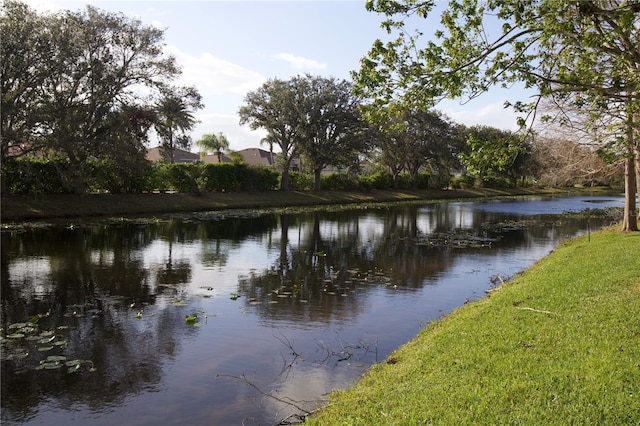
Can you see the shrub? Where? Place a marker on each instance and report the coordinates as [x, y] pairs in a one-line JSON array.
[[33, 176], [339, 181], [260, 178], [300, 181], [180, 177]]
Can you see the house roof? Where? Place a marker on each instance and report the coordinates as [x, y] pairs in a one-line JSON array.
[[213, 158], [256, 157], [179, 155]]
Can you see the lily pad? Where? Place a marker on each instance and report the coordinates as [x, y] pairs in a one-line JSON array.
[[18, 325], [45, 348], [74, 362], [51, 365], [56, 358], [15, 335]]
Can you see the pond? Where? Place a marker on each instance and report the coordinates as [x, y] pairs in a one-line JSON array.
[[237, 319]]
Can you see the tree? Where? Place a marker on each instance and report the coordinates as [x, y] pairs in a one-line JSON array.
[[589, 49], [332, 133], [269, 141], [566, 163], [175, 118], [433, 142], [214, 143], [494, 153], [274, 107], [69, 81]]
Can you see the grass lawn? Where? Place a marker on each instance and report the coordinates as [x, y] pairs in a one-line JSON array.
[[557, 345]]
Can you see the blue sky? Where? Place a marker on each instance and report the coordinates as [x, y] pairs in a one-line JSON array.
[[227, 48]]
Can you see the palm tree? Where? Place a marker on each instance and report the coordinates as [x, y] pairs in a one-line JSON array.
[[214, 143], [269, 139], [175, 118]]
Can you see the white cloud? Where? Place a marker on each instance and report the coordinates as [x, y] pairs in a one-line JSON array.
[[299, 62], [215, 76]]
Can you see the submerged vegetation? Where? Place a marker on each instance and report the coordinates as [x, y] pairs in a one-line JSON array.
[[557, 344]]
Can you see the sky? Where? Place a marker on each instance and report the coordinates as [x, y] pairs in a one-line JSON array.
[[229, 48]]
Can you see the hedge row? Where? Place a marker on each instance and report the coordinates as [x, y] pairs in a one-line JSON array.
[[34, 176], [380, 180]]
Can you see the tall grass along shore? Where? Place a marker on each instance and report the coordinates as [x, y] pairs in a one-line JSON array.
[[557, 345]]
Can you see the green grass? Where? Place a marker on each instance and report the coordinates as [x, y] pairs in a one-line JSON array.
[[64, 206], [557, 345]]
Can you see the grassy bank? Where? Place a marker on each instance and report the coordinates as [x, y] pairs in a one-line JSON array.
[[45, 207], [557, 345]]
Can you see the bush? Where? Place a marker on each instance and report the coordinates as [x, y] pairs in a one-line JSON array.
[[378, 180], [33, 176], [339, 182], [260, 178], [300, 181], [463, 182], [180, 177]]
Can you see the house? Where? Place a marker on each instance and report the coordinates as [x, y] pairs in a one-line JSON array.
[[213, 159], [257, 157], [251, 156], [260, 157], [179, 156]]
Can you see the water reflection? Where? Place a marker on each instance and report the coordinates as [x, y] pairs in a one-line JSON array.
[[337, 290]]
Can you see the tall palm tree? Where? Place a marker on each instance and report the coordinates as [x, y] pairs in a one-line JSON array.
[[214, 143], [175, 119]]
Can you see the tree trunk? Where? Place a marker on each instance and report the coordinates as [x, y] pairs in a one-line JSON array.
[[284, 181], [316, 179], [638, 173], [630, 219]]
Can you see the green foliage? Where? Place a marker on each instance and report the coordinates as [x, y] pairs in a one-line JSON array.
[[493, 154], [32, 176], [463, 182], [76, 86], [300, 181], [377, 180], [259, 178], [339, 181], [213, 143], [175, 118], [275, 107], [180, 177]]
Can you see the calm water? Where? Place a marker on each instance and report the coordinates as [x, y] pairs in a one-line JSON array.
[[287, 307]]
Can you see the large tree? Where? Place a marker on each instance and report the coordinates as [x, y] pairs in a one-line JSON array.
[[71, 82], [175, 118], [495, 153], [588, 48], [274, 107], [333, 133]]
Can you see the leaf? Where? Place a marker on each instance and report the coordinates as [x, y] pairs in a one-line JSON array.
[[15, 335], [18, 325], [56, 358]]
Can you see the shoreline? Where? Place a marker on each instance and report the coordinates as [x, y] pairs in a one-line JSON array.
[[538, 349], [15, 209]]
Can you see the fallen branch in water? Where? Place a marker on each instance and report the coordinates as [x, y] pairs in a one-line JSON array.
[[302, 412]]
